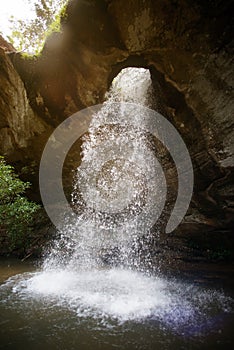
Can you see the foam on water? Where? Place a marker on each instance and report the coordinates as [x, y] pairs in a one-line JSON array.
[[118, 295], [75, 274]]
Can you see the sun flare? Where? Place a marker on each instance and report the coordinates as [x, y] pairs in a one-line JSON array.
[[19, 9]]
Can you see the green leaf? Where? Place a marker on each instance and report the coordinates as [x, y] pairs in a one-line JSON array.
[[17, 213], [29, 36]]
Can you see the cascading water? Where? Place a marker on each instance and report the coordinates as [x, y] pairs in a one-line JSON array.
[[117, 188], [95, 268]]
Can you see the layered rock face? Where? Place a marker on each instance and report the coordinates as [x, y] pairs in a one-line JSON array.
[[19, 124], [187, 47]]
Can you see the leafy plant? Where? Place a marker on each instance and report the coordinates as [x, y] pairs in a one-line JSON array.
[[29, 36], [16, 211]]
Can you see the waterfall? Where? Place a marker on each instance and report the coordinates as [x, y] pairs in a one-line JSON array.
[[99, 268], [117, 189]]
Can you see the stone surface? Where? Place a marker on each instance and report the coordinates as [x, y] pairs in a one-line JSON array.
[[19, 124], [6, 46], [187, 45]]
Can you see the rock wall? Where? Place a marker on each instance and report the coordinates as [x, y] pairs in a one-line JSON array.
[[187, 45], [19, 124]]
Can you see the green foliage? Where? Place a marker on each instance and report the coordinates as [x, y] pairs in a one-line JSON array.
[[16, 211], [29, 169], [30, 36]]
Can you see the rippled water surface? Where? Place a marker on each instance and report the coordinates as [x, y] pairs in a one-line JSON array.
[[109, 309], [93, 292]]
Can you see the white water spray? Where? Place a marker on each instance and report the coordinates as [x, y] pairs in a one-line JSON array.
[[94, 267], [119, 188]]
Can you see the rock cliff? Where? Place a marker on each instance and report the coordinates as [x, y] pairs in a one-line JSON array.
[[186, 45]]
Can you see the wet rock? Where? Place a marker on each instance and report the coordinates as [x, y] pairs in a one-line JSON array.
[[188, 48]]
